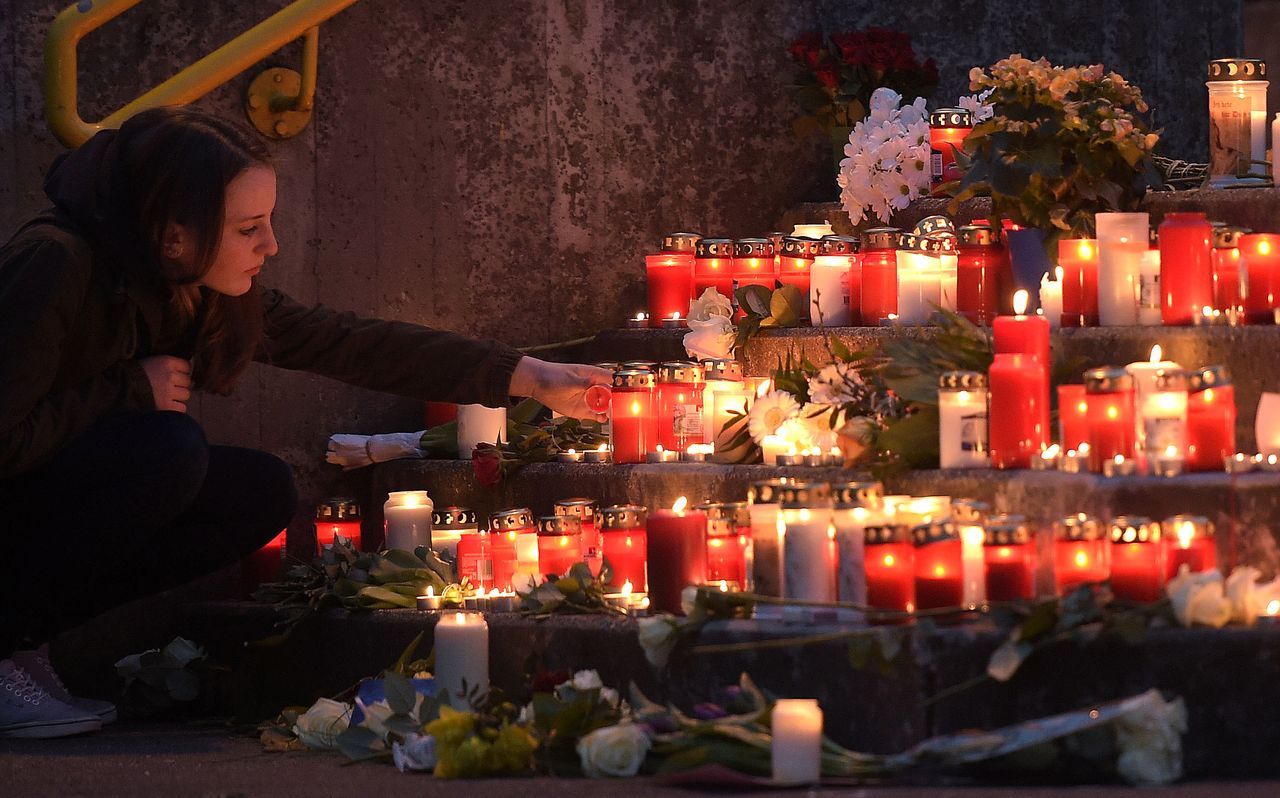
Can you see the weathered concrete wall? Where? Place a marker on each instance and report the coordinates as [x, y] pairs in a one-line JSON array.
[[498, 167]]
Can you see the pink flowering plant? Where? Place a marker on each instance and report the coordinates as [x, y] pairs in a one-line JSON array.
[[1062, 144]]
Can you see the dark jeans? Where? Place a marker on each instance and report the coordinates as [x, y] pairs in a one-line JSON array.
[[137, 504]]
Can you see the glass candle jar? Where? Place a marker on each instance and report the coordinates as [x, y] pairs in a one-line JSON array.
[[948, 128], [586, 511], [1186, 267], [890, 567], [635, 427], [919, 280], [448, 525], [1228, 287], [763, 507], [835, 290], [1211, 418], [677, 540], [679, 404], [513, 540], [1081, 552], [727, 547], [721, 375], [1188, 540], [475, 560], [1009, 554], [338, 517], [406, 519], [1109, 393], [1260, 260], [669, 278], [622, 529], [713, 267], [857, 506], [1073, 416], [1237, 121], [1137, 558], [1122, 239], [754, 262], [559, 544], [809, 549], [962, 420], [970, 519], [977, 274], [939, 562], [879, 274], [794, 266], [1017, 398], [1162, 412], [1078, 258]]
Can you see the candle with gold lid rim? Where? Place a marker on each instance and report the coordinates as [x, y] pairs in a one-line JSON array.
[[1081, 552], [962, 420], [879, 275], [1009, 559], [632, 413], [754, 263], [1237, 121], [1211, 418], [977, 274], [713, 267], [1228, 294], [1137, 558], [559, 543], [809, 555], [794, 267], [767, 532], [890, 567], [1112, 428], [833, 300], [1188, 540], [857, 504], [622, 526]]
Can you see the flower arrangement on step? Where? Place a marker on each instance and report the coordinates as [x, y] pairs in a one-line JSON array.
[[1062, 144], [886, 158]]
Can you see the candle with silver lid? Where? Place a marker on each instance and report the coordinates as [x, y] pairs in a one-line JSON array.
[[962, 420], [1137, 558]]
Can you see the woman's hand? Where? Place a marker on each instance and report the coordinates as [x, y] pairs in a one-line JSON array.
[[560, 386], [170, 379]]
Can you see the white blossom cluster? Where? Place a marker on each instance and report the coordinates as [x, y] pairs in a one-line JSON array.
[[886, 162]]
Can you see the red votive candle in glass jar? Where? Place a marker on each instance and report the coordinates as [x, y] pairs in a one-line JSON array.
[[890, 563], [754, 262], [1186, 267], [679, 404], [1137, 558], [939, 565], [265, 564], [622, 528], [948, 128], [559, 544], [1009, 556], [1188, 539], [1211, 419], [338, 517], [475, 560], [977, 279], [1260, 259], [713, 266], [634, 427], [1228, 295], [1078, 258], [586, 511], [1109, 394], [1073, 416], [669, 276], [879, 274], [726, 559], [514, 545], [678, 547], [1017, 395], [1081, 553], [794, 263]]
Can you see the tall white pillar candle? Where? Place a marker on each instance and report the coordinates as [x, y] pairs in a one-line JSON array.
[[1149, 314], [1051, 298], [797, 741], [970, 520], [406, 520], [829, 290], [1122, 238], [479, 424], [462, 656]]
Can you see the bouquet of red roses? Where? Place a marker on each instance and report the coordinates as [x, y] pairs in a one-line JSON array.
[[839, 73]]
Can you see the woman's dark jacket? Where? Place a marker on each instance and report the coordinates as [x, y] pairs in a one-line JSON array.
[[77, 315]]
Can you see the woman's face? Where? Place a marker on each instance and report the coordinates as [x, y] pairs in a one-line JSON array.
[[247, 237]]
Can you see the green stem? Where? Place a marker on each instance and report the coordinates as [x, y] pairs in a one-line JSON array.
[[955, 689], [557, 345], [786, 642]]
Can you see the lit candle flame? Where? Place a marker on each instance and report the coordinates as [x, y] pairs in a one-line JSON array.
[[1119, 459], [680, 504], [572, 451], [676, 315], [493, 592], [724, 586], [411, 500], [1082, 560], [1058, 273], [1051, 452], [1020, 300], [431, 591], [626, 588], [1273, 607], [1156, 353], [1083, 449], [1264, 247], [604, 447], [763, 388], [460, 618], [1171, 451], [1186, 531], [1084, 250]]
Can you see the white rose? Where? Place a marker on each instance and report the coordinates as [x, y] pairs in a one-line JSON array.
[[711, 304], [586, 680], [417, 752], [712, 338], [613, 751], [610, 696], [318, 728], [657, 638], [1150, 740], [376, 716], [1249, 597], [1199, 599]]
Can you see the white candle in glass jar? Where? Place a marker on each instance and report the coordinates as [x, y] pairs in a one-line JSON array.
[[962, 421], [797, 741], [809, 554], [719, 399], [1149, 314], [1051, 298], [949, 265], [851, 575], [829, 290], [527, 555], [767, 534], [1145, 374], [1162, 412], [1122, 238], [919, 286], [772, 446], [813, 230], [462, 656], [479, 424], [973, 567], [406, 520]]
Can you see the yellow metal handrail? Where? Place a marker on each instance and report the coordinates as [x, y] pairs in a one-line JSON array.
[[73, 24]]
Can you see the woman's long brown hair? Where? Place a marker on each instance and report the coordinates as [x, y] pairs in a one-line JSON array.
[[179, 162]]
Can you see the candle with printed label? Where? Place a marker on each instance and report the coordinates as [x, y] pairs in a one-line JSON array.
[[832, 281], [962, 420], [679, 404], [857, 505]]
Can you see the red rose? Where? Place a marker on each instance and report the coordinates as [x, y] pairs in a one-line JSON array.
[[486, 462], [827, 76], [807, 49]]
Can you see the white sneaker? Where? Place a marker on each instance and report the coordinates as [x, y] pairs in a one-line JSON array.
[[37, 665], [27, 709]]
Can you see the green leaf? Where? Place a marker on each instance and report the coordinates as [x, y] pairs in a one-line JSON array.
[[401, 696], [786, 306], [755, 299]]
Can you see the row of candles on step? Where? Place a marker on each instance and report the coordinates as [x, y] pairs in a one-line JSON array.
[[1193, 272]]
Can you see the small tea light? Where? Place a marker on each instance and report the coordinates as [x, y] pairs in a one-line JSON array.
[[430, 601], [889, 321], [477, 603], [1271, 464], [1211, 317], [1271, 615], [621, 600], [697, 453], [1167, 464], [662, 456], [639, 605], [501, 602], [673, 323], [1119, 466], [1074, 461], [1048, 459], [569, 456], [600, 455], [1239, 463], [791, 458], [835, 457], [638, 322], [814, 457]]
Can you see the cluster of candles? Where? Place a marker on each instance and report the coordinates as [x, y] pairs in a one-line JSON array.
[[1147, 416]]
